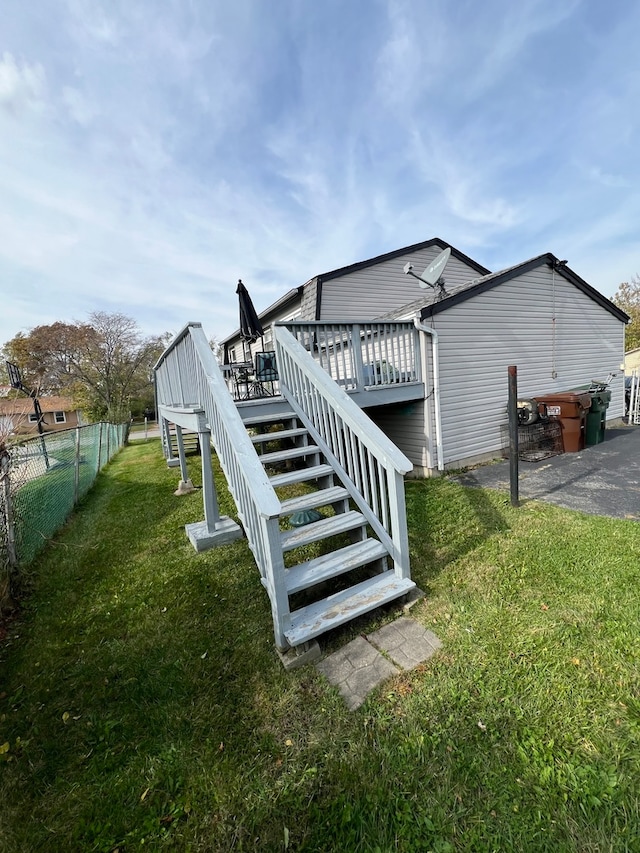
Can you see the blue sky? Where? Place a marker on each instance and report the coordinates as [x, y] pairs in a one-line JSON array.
[[152, 153]]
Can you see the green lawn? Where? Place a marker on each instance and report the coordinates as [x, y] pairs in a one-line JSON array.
[[142, 705]]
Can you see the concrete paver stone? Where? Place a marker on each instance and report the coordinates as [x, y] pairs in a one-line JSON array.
[[355, 670], [406, 642]]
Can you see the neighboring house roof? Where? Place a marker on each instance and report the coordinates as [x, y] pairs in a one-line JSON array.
[[24, 405], [433, 302], [296, 293]]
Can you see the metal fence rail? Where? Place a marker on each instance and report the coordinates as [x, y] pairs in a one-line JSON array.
[[41, 479]]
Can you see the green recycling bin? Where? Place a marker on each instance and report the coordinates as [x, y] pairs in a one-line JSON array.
[[597, 417], [597, 412]]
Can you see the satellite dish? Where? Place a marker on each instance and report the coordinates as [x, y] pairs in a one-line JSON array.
[[435, 269]]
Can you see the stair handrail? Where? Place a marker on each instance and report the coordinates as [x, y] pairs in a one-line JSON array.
[[370, 465], [188, 375]]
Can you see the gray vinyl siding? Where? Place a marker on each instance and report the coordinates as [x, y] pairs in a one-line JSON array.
[[404, 425], [512, 324], [373, 291], [309, 296]]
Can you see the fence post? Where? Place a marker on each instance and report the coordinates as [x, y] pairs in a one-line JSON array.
[[512, 410], [99, 448], [76, 478], [6, 507]]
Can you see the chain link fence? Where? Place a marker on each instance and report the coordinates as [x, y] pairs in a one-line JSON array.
[[41, 480]]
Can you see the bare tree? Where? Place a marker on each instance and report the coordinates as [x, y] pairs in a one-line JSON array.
[[104, 364], [627, 297]]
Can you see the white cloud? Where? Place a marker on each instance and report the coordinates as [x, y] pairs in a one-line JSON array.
[[21, 85], [79, 107], [91, 20]]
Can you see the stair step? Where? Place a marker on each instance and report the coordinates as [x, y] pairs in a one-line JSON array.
[[331, 565], [276, 436], [321, 616], [256, 420], [322, 529], [302, 475], [322, 497], [293, 453]]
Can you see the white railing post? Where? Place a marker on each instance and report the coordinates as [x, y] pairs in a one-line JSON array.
[[209, 496], [400, 534], [275, 579], [356, 357]]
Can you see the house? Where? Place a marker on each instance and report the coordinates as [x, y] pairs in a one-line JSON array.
[[17, 415], [631, 361], [538, 315], [431, 369]]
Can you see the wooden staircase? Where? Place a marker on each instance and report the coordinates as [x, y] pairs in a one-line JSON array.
[[335, 568], [190, 441]]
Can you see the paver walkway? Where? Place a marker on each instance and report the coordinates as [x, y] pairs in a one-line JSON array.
[[359, 667]]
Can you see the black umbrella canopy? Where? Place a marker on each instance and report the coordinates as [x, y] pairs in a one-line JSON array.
[[250, 328]]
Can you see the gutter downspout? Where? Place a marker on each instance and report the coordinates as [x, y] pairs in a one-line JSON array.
[[421, 327]]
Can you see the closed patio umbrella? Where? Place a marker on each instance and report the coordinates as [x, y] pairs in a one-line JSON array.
[[250, 328]]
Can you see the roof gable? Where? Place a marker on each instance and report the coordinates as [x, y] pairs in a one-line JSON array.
[[396, 253], [487, 282], [353, 269]]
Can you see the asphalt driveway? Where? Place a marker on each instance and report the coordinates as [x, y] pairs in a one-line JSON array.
[[600, 480]]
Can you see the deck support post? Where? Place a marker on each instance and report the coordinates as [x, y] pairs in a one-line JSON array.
[[172, 462], [209, 496], [216, 529], [185, 486]]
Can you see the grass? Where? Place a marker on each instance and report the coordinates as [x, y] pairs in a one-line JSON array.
[[139, 426], [142, 703]]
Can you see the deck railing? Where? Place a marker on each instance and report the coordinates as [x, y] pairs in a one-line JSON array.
[[188, 376], [368, 463], [362, 355], [357, 356]]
